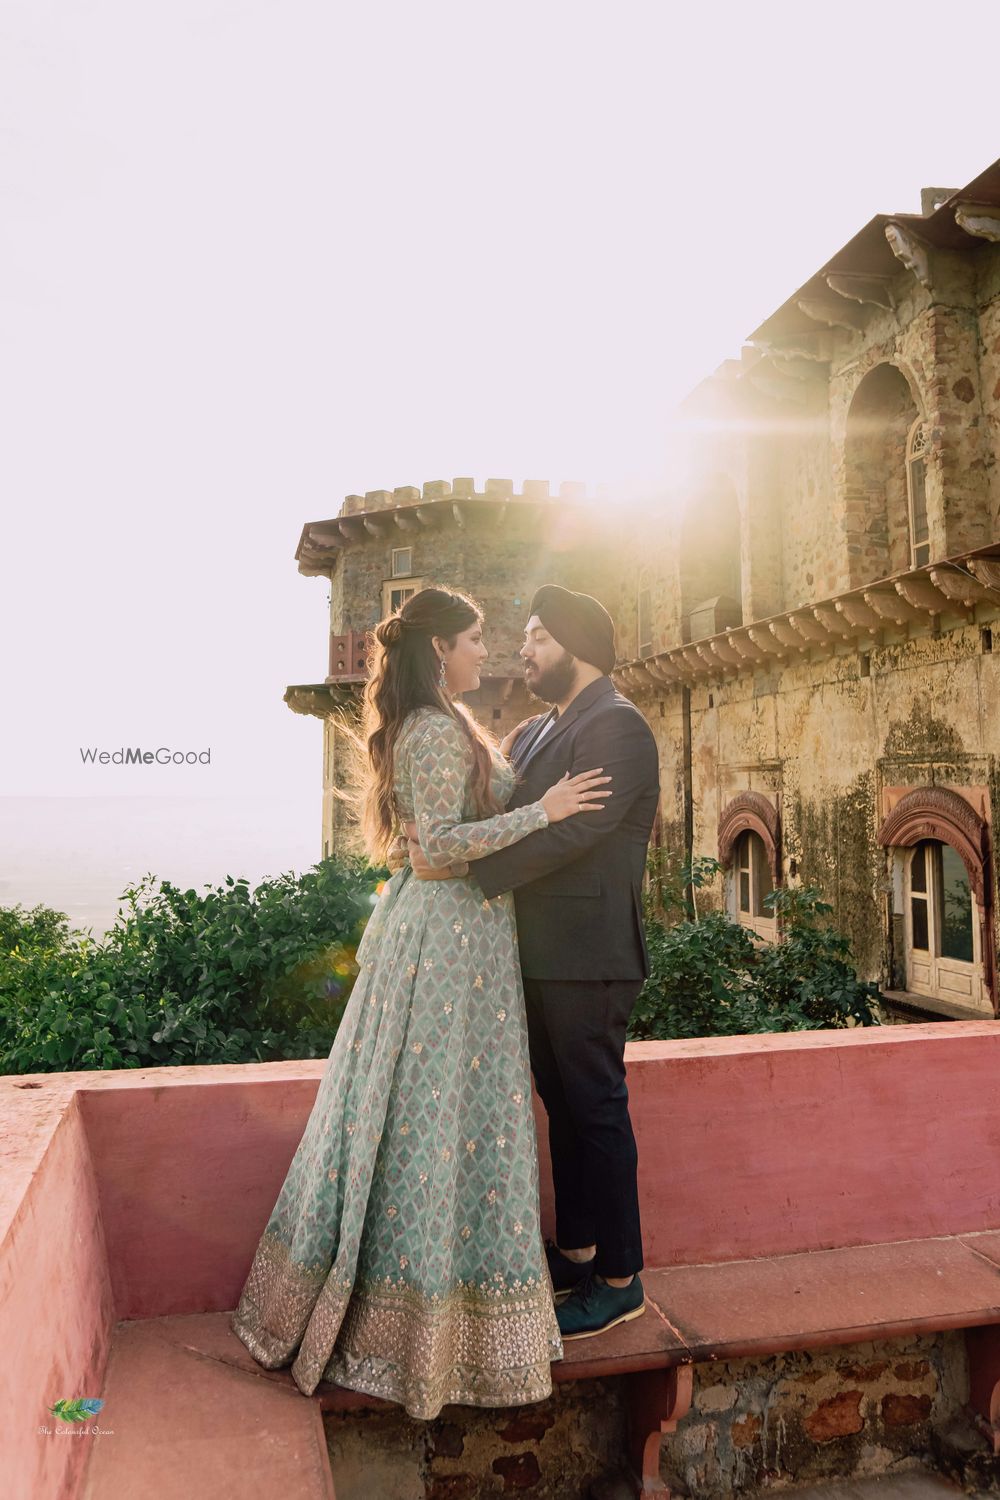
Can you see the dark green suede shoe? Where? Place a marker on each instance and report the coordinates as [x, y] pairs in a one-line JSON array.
[[593, 1306]]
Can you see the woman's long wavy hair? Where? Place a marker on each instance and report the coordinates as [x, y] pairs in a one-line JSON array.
[[404, 673]]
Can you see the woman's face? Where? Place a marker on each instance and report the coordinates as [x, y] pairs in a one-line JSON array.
[[463, 660]]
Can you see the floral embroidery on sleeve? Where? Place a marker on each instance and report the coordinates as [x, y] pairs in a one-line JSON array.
[[440, 764]]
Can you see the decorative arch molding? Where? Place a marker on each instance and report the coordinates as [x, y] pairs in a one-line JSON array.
[[934, 812], [753, 812]]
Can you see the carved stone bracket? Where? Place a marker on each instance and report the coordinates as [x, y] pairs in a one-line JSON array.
[[833, 621], [911, 251], [712, 661], [874, 289], [816, 347], [888, 604], [767, 641], [788, 636], [745, 647], [692, 659], [663, 668], [808, 627], [772, 380], [987, 570], [834, 313], [957, 585], [981, 220], [753, 811], [921, 593], [859, 613], [725, 653]]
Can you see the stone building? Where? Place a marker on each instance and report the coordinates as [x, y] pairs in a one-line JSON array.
[[808, 623], [812, 640]]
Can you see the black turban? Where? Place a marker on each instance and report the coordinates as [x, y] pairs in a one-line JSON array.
[[580, 624]]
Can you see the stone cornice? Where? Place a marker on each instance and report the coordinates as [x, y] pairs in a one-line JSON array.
[[950, 588], [318, 699]]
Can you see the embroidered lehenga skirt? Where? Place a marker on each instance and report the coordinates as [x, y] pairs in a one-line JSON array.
[[403, 1257]]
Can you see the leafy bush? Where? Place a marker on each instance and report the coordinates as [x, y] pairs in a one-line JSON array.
[[225, 977], [711, 977]]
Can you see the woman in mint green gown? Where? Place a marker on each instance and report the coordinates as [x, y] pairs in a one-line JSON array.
[[403, 1257]]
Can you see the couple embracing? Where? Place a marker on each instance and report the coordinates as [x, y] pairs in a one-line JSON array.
[[404, 1256]]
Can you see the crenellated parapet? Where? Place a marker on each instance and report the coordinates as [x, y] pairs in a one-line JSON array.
[[382, 514], [459, 489]]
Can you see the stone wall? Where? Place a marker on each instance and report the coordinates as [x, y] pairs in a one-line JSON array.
[[754, 1425], [801, 1418], [552, 1450]]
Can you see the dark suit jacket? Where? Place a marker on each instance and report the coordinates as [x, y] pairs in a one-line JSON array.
[[578, 884]]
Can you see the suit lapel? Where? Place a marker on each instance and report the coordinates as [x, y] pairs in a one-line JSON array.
[[526, 742], [590, 695]]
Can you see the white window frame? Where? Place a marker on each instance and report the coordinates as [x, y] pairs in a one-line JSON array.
[[927, 971], [395, 568], [765, 926], [393, 587], [916, 461]]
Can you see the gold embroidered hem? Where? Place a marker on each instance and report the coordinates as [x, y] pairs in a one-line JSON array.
[[479, 1345]]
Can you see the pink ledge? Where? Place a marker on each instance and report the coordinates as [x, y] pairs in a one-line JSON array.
[[136, 1195]]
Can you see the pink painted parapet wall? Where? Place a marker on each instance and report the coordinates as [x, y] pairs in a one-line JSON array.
[[135, 1194]]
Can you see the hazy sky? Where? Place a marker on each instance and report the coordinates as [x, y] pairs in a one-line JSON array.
[[254, 256]]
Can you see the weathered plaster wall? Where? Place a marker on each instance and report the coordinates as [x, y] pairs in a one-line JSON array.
[[822, 741]]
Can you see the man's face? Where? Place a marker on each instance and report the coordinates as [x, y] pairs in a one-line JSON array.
[[549, 671]]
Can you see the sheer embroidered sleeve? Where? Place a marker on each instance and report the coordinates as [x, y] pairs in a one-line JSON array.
[[440, 762]]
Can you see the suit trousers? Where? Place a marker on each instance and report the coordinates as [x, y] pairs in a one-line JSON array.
[[576, 1040]]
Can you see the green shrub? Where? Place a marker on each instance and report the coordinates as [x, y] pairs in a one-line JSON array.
[[709, 976], [229, 976]]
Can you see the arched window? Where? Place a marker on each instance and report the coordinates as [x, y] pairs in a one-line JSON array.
[[916, 489], [749, 882], [749, 850], [940, 848], [885, 506], [942, 931], [710, 562]]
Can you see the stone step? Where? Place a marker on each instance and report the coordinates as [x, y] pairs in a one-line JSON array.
[[179, 1423]]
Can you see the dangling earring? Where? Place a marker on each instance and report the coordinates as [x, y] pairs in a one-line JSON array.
[[444, 676]]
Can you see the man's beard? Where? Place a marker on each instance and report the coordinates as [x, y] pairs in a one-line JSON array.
[[555, 683]]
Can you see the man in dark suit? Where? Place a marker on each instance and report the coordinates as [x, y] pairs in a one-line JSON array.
[[577, 888]]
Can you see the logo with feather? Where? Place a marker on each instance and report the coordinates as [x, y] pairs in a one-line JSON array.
[[77, 1411]]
